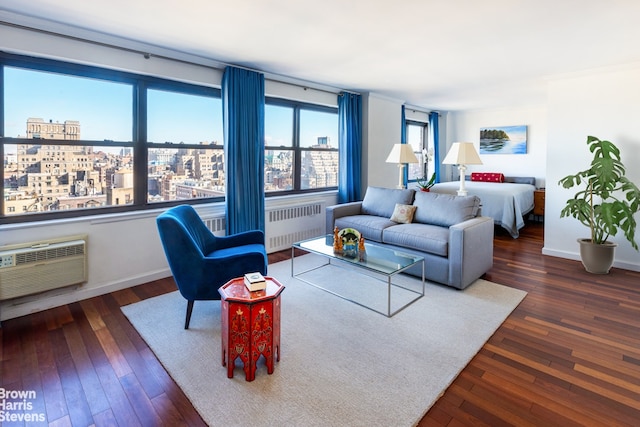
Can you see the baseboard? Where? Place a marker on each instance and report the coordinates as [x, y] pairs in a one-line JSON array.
[[34, 303]]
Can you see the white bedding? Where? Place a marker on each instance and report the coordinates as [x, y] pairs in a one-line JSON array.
[[505, 202]]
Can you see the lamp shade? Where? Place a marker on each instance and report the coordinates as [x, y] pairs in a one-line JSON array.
[[462, 153], [402, 153]]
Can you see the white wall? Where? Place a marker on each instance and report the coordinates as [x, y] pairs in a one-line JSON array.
[[465, 126], [605, 104], [381, 130], [21, 41]]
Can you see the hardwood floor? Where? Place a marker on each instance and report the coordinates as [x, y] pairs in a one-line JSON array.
[[568, 355]]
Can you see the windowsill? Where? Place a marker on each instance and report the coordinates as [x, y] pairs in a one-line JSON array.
[[212, 209]]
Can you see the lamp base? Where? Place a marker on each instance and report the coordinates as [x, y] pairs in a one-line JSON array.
[[462, 191], [400, 176]]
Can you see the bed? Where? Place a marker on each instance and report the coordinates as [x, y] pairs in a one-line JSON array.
[[506, 202]]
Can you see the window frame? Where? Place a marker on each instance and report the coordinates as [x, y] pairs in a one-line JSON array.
[[138, 142], [425, 144], [297, 107]]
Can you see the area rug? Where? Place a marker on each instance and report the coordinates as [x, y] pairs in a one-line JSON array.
[[341, 364]]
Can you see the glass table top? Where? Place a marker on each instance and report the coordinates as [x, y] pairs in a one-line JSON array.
[[378, 258]]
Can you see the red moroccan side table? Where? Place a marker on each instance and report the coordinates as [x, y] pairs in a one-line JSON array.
[[250, 325]]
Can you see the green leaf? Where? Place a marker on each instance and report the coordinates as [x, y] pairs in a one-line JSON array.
[[606, 200]]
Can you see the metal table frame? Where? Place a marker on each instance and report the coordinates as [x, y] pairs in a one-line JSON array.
[[367, 269]]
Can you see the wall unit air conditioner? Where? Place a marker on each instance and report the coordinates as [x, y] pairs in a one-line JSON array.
[[31, 268]]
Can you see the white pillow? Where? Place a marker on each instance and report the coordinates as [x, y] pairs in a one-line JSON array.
[[403, 213]]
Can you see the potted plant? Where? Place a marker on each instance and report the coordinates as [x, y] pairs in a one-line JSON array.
[[425, 184], [606, 203]]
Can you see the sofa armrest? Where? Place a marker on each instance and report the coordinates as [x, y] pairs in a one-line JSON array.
[[339, 211], [470, 250]]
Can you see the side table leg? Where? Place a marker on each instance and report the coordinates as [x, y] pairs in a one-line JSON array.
[[230, 366], [249, 369], [262, 321], [276, 329], [238, 344], [224, 333]]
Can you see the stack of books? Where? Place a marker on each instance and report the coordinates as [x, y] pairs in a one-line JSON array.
[[255, 281]]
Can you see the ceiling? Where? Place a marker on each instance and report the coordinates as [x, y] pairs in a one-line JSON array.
[[437, 54]]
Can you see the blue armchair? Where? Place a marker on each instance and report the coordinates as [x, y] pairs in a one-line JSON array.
[[202, 262]]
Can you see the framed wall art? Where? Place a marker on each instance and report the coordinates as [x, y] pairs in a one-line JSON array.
[[503, 140]]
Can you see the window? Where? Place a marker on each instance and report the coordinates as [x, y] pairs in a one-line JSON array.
[[193, 123], [301, 147], [77, 138], [319, 143], [80, 140], [279, 152], [417, 138], [52, 117], [184, 118]]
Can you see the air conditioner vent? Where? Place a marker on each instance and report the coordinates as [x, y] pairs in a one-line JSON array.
[[49, 253]]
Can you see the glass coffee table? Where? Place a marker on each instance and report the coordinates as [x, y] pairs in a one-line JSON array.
[[379, 262]]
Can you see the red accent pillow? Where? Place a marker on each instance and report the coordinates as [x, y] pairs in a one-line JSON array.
[[487, 176]]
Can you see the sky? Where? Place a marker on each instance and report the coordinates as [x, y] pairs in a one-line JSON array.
[[104, 110]]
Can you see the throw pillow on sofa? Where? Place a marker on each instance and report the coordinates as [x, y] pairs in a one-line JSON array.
[[382, 201], [403, 213]]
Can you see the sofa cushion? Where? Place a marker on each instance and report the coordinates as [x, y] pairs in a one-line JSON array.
[[369, 226], [382, 201], [444, 209], [403, 213], [422, 237]]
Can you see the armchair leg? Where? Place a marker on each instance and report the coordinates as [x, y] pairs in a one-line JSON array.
[[189, 310]]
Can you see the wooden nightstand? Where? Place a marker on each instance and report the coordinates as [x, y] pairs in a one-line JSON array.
[[538, 202]]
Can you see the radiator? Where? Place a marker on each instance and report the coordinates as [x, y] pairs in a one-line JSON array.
[[284, 225], [31, 268], [217, 225]]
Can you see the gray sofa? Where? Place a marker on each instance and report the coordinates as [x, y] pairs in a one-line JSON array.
[[447, 230]]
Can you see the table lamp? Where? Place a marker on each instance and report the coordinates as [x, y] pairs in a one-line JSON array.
[[462, 154], [401, 154]]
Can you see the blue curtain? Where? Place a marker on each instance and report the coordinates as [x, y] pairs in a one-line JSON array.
[[403, 140], [243, 121], [349, 147], [433, 125]]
